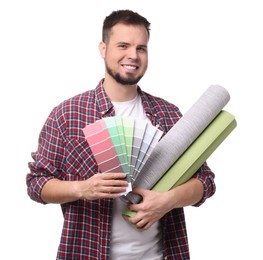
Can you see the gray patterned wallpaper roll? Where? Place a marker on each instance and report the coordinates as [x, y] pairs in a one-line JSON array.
[[179, 138]]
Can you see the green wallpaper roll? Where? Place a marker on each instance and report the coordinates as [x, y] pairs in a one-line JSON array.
[[196, 154]]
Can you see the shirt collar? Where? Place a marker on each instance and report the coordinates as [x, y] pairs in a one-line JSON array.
[[102, 100], [105, 105], [148, 108]]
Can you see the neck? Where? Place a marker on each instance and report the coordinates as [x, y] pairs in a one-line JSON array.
[[118, 92]]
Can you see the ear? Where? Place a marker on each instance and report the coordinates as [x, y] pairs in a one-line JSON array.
[[102, 49]]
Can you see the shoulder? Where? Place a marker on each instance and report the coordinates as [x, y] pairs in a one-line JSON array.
[[164, 112], [160, 104], [79, 102], [72, 114]]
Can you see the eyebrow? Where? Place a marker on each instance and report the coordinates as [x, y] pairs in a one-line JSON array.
[[140, 45]]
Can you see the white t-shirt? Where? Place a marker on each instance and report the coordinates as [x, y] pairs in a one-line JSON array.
[[127, 243]]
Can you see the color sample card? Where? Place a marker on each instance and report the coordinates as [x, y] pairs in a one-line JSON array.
[[155, 140], [144, 152], [128, 127], [115, 129], [139, 130], [102, 147]]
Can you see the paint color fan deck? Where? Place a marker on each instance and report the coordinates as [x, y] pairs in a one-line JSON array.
[[122, 144]]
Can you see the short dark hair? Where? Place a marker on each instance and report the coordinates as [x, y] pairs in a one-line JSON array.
[[123, 16]]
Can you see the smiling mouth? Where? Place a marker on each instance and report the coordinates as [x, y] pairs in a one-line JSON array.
[[130, 67]]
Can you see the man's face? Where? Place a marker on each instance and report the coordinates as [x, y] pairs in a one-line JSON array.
[[126, 54]]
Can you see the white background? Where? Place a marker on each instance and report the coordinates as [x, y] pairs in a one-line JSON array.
[[48, 52]]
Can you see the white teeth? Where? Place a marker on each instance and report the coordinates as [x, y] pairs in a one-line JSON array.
[[129, 67]]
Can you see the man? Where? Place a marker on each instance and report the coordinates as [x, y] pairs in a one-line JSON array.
[[64, 170]]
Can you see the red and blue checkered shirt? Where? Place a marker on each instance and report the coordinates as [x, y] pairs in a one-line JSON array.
[[64, 153]]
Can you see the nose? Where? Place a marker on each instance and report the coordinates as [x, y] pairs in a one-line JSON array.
[[132, 53]]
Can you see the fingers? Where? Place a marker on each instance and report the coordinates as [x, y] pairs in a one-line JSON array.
[[141, 224], [139, 191], [112, 175], [105, 185], [103, 193], [113, 189], [110, 182]]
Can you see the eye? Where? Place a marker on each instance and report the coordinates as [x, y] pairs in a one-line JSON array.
[[122, 46], [142, 49]]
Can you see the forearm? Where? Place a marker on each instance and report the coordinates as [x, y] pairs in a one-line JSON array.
[[186, 194], [59, 192], [99, 186], [156, 204]]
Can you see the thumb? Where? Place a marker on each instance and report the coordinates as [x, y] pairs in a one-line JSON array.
[[139, 191]]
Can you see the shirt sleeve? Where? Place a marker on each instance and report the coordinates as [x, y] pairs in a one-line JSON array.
[[47, 160], [206, 176]]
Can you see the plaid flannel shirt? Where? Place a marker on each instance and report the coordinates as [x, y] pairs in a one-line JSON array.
[[64, 153]]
